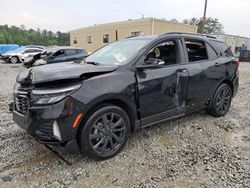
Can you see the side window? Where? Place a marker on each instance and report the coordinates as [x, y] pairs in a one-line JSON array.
[[211, 53], [59, 53], [79, 51], [32, 51], [28, 51], [166, 51], [196, 50], [70, 52], [222, 48]]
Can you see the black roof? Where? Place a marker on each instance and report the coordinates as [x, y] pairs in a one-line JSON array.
[[175, 34]]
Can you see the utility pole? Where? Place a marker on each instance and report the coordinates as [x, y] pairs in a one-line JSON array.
[[204, 16]]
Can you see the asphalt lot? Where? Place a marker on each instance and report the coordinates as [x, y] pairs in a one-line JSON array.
[[195, 151]]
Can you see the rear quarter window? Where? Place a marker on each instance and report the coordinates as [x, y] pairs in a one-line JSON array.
[[212, 54], [222, 48]]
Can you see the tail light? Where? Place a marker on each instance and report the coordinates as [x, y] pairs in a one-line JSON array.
[[237, 62]]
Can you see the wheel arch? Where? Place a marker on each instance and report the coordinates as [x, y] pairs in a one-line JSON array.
[[119, 101], [225, 81], [228, 82], [18, 59]]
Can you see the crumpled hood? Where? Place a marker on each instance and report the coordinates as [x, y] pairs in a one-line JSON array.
[[60, 71]]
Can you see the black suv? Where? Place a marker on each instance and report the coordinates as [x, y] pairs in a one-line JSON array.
[[127, 85]]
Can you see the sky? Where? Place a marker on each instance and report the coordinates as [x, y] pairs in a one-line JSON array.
[[66, 15]]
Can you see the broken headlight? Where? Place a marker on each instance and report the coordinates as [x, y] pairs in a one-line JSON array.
[[51, 95]]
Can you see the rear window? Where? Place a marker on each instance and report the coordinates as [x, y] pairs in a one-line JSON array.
[[221, 47]]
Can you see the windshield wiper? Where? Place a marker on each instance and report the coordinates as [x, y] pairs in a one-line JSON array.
[[92, 63]]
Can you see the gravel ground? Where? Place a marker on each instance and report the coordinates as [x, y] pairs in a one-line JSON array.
[[195, 151]]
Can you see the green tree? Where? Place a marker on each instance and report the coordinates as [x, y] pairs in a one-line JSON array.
[[174, 20], [2, 39], [20, 35], [209, 26]]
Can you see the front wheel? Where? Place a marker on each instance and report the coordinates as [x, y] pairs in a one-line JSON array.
[[221, 101], [105, 132], [14, 60]]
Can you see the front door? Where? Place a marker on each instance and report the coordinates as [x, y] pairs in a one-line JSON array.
[[162, 90]]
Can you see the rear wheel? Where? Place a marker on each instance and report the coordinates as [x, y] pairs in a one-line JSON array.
[[14, 60], [105, 132], [221, 101]]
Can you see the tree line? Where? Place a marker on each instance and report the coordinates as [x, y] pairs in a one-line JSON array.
[[207, 26], [22, 36]]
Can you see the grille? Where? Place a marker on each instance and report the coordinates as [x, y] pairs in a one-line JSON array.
[[21, 103]]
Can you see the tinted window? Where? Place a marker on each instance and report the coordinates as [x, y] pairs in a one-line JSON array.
[[196, 50], [165, 51], [32, 51], [222, 48], [79, 51], [59, 53], [70, 52], [211, 53]]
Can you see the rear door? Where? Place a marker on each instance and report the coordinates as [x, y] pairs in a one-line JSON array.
[[205, 70], [162, 91]]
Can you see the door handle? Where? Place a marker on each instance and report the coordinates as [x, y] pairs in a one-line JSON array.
[[184, 70], [217, 64], [181, 70]]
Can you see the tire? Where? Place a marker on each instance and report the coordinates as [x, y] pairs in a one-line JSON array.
[[14, 60], [105, 132], [221, 101]]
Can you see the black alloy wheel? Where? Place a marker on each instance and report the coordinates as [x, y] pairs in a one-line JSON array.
[[105, 132], [221, 102]]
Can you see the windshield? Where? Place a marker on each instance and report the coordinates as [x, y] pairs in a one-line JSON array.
[[119, 52]]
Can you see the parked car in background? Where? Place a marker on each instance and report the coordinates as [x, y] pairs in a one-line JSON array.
[[7, 47], [56, 55], [20, 54], [127, 85], [34, 46]]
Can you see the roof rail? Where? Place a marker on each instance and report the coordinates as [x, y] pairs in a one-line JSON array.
[[196, 34]]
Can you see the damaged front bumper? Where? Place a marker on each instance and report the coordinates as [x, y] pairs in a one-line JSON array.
[[50, 124]]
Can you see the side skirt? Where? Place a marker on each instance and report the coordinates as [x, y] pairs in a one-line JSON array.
[[165, 116]]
